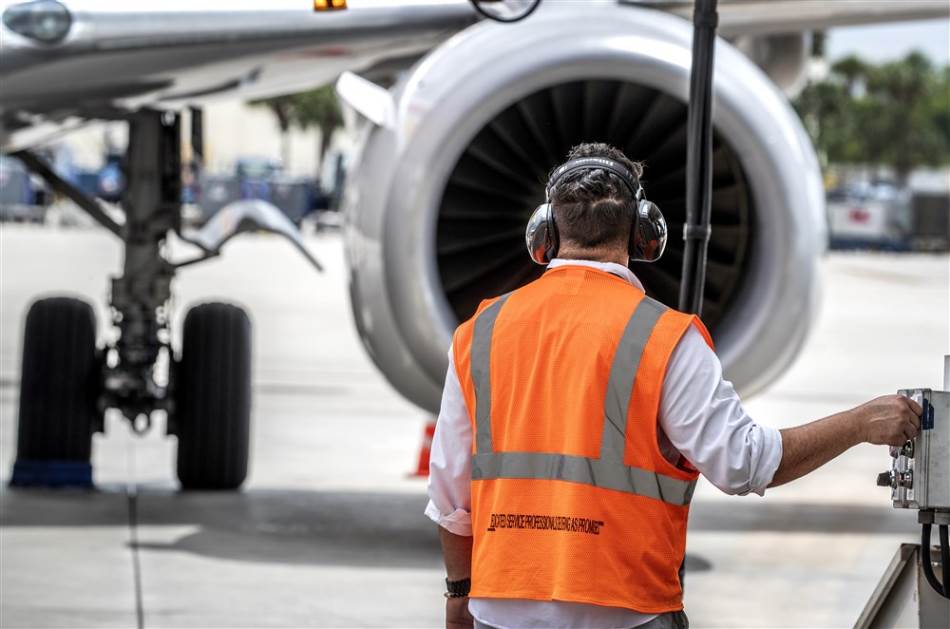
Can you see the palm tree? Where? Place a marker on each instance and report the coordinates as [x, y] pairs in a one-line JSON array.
[[315, 108], [320, 108], [283, 109]]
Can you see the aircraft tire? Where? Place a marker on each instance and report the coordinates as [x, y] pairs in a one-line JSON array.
[[60, 383], [212, 392]]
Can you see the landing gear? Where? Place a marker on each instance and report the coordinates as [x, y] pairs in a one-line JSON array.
[[210, 409], [59, 391], [67, 383], [212, 385]]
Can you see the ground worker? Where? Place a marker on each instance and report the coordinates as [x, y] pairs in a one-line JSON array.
[[577, 415]]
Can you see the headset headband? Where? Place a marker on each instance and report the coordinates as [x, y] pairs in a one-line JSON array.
[[589, 163], [647, 234]]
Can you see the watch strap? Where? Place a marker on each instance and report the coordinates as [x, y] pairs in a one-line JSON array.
[[457, 589]]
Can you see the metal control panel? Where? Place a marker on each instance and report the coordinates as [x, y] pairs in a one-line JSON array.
[[920, 472]]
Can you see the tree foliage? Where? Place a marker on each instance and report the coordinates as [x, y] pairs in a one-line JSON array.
[[315, 108], [895, 114]]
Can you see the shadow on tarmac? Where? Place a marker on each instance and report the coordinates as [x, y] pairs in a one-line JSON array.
[[288, 527], [364, 529]]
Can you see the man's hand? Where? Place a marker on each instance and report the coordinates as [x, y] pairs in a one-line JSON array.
[[456, 613], [889, 420]]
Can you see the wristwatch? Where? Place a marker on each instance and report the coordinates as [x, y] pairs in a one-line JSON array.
[[457, 589]]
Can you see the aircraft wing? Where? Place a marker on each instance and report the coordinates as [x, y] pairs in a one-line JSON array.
[[63, 62], [112, 56], [761, 17]]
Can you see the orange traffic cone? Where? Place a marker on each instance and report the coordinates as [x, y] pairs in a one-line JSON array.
[[422, 469]]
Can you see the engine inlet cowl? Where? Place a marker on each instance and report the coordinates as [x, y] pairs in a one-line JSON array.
[[439, 199]]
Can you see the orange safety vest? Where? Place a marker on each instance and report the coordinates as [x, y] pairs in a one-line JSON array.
[[572, 499]]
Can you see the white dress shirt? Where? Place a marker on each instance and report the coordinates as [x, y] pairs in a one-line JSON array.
[[700, 417]]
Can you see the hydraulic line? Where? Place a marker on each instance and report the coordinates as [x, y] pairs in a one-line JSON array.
[[927, 563], [945, 557], [527, 8]]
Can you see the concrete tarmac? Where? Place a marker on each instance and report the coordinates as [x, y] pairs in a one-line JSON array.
[[329, 530]]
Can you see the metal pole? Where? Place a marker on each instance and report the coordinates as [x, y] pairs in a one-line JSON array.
[[89, 205], [696, 230], [197, 138]]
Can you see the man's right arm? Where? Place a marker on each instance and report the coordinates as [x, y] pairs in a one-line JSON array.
[[888, 420], [450, 465], [450, 492]]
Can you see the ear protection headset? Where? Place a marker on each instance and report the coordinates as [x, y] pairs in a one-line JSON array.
[[647, 233]]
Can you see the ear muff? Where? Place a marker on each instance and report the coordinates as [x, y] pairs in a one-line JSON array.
[[541, 235], [648, 232], [648, 237]]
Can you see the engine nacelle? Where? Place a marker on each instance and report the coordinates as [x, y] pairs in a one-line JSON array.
[[447, 177]]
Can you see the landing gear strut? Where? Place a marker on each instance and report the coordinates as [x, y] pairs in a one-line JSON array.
[[68, 383], [140, 295]]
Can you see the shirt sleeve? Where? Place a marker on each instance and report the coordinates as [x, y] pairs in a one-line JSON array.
[[450, 461], [702, 416]]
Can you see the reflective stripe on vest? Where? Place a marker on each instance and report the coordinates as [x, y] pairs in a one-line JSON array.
[[608, 471]]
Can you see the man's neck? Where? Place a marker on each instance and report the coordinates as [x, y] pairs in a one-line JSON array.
[[596, 255]]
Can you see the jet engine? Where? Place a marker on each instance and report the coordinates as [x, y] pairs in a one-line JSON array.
[[456, 156]]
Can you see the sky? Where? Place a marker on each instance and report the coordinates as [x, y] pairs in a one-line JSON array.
[[888, 42]]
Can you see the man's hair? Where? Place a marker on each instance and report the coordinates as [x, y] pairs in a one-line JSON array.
[[594, 207]]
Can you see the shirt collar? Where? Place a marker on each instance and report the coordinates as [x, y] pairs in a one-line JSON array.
[[610, 267]]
